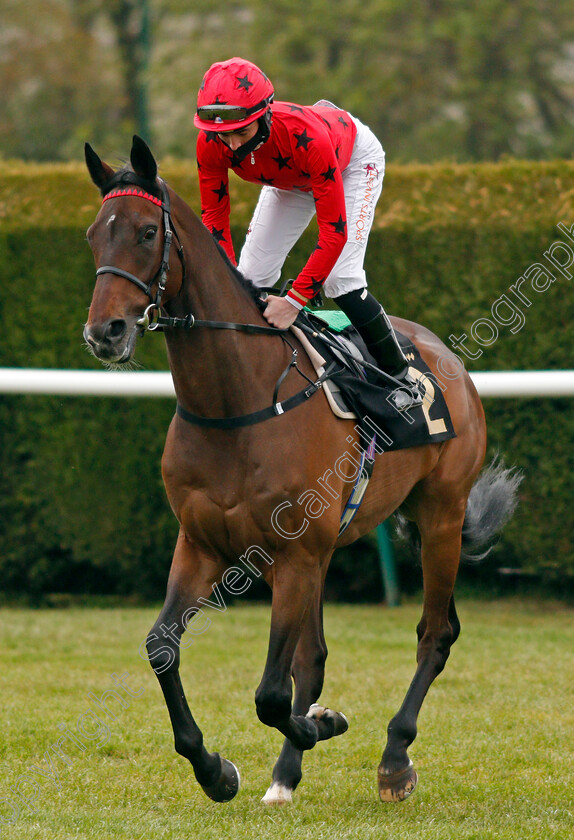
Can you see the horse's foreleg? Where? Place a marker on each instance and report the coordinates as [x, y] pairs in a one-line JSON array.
[[308, 674], [295, 590], [191, 577], [437, 631]]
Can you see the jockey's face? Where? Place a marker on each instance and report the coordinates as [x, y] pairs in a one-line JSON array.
[[236, 139]]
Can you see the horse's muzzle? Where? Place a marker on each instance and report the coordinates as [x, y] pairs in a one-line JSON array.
[[111, 341]]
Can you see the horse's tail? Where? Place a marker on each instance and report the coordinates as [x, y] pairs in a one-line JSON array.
[[491, 503]]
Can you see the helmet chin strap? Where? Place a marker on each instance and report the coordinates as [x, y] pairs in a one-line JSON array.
[[259, 138]]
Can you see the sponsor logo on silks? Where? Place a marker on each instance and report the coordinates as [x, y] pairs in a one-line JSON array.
[[366, 212]]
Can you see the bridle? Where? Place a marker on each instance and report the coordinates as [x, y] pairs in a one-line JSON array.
[[148, 321], [153, 320]]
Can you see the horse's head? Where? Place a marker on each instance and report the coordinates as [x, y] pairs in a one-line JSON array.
[[131, 240]]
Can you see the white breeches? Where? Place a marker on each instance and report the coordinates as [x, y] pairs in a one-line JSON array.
[[281, 216]]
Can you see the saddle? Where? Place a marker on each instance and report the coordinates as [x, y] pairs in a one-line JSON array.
[[355, 391]]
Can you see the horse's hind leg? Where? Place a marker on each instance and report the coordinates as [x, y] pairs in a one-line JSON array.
[[437, 631], [308, 674], [191, 577]]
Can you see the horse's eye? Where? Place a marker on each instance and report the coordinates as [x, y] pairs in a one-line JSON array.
[[149, 233]]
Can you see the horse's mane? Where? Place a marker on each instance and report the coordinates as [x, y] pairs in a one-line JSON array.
[[252, 290]]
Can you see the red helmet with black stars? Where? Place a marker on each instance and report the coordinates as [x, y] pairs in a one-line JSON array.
[[233, 94]]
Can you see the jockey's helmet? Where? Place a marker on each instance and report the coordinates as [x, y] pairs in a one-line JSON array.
[[233, 94]]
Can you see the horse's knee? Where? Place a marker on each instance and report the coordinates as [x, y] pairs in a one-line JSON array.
[[272, 705], [454, 621], [162, 651], [421, 628], [318, 661], [435, 647]]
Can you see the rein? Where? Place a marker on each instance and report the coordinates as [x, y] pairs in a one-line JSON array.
[[152, 320]]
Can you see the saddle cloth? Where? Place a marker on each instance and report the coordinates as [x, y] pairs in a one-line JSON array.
[[355, 393]]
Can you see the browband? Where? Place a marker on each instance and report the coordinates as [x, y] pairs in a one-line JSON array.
[[133, 191]]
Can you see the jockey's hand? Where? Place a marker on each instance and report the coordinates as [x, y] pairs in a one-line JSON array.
[[279, 312]]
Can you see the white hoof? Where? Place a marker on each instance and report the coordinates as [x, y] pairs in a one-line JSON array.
[[278, 795]]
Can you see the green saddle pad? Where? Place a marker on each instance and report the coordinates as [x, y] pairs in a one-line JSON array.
[[334, 318]]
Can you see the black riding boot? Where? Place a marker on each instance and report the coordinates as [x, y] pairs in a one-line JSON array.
[[369, 318]]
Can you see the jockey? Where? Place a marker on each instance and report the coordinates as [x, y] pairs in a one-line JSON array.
[[310, 159]]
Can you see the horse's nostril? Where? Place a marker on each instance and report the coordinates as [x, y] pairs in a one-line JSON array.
[[116, 329]]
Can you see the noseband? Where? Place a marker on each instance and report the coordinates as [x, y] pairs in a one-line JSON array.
[[160, 276]]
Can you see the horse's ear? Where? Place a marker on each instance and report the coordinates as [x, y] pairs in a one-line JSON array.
[[100, 171], [142, 159]]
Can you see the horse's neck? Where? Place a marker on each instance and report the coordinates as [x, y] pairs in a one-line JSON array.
[[218, 372]]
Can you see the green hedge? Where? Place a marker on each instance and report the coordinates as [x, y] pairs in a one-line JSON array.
[[82, 507]]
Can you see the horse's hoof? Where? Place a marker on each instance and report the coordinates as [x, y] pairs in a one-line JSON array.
[[227, 785], [329, 723], [395, 787], [278, 794]]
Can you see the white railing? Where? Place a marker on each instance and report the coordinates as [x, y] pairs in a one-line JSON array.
[[83, 383], [524, 383], [78, 383]]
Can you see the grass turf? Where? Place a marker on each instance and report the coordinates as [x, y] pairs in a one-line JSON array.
[[494, 751]]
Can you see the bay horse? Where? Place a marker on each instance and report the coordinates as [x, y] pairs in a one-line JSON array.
[[226, 476]]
